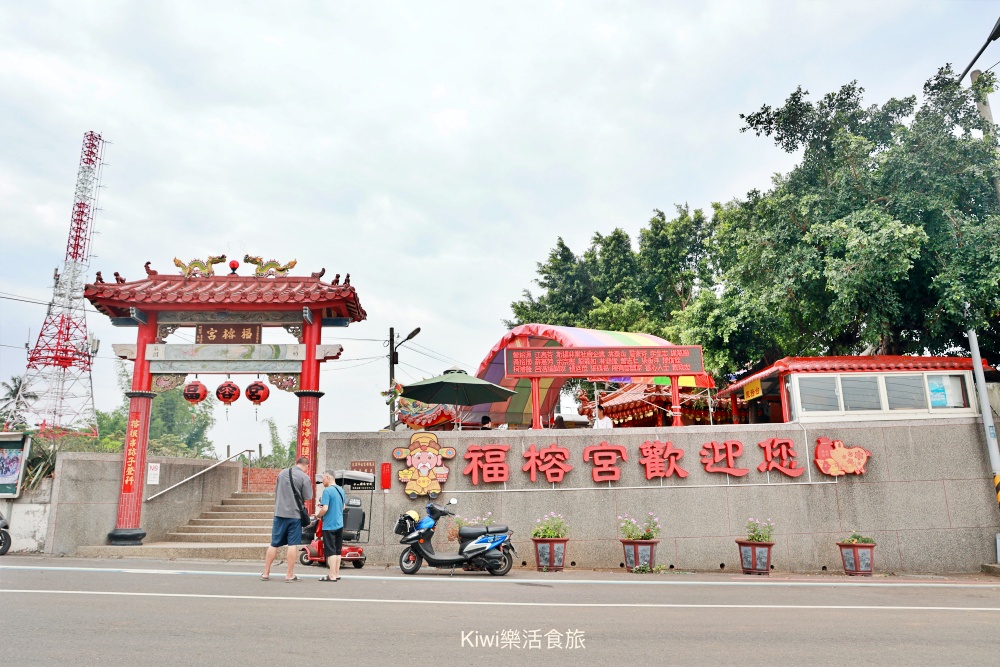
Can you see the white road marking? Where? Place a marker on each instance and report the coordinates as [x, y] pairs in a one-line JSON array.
[[474, 603], [638, 581]]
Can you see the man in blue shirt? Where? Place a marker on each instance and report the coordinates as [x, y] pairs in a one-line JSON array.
[[331, 511]]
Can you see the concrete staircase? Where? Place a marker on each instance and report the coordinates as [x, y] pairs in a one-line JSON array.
[[239, 528]]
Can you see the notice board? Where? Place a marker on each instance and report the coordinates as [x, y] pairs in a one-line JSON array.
[[593, 362]]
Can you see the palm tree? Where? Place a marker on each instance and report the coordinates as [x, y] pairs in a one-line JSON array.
[[14, 402]]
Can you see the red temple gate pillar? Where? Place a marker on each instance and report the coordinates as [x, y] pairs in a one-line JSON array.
[[309, 395], [734, 405], [536, 403], [675, 400], [133, 484]]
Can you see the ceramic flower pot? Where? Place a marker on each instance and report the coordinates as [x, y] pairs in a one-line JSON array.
[[859, 559], [639, 552], [755, 557], [550, 553]]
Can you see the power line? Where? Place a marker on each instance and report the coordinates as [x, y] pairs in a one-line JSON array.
[[373, 340], [440, 354], [437, 357], [403, 363], [344, 368]]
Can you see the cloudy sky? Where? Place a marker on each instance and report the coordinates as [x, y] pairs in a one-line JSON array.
[[433, 150]]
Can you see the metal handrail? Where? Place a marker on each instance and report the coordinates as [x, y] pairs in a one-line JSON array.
[[200, 472]]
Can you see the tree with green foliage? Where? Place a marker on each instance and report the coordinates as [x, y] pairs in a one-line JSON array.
[[612, 286], [884, 238]]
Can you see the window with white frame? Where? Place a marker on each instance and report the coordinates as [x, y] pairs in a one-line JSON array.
[[819, 393], [860, 392], [947, 391], [905, 392], [891, 395]]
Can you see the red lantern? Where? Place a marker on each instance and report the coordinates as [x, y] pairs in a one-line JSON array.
[[227, 393], [257, 392], [194, 392]]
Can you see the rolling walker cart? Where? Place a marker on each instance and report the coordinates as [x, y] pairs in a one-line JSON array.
[[355, 522]]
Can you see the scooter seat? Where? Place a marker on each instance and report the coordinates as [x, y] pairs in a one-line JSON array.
[[470, 532]]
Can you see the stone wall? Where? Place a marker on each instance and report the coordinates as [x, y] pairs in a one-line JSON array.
[[926, 496], [84, 502], [28, 516]]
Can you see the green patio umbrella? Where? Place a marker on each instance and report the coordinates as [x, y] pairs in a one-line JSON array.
[[456, 387]]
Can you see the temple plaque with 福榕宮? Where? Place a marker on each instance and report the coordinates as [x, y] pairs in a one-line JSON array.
[[227, 334]]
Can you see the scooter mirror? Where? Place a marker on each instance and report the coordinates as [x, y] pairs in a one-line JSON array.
[[453, 501]]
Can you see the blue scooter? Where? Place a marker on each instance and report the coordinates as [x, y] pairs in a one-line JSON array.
[[481, 547], [4, 535]]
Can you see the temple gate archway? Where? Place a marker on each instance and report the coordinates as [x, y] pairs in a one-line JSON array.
[[227, 313]]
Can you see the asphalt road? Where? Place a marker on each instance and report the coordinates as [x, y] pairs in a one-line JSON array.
[[60, 611]]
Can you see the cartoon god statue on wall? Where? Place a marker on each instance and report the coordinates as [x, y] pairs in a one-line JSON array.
[[426, 471]]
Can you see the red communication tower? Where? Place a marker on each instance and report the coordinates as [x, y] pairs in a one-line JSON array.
[[57, 392]]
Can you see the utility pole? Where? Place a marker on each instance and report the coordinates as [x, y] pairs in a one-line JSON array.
[[393, 360], [977, 363]]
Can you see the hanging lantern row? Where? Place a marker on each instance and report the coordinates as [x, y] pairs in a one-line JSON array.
[[228, 392]]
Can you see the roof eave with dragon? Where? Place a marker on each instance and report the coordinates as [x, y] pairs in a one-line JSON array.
[[159, 293]]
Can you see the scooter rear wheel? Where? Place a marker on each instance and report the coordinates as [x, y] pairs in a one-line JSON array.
[[410, 561], [500, 566]]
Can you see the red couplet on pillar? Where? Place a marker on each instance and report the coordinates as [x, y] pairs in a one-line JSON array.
[[131, 451]]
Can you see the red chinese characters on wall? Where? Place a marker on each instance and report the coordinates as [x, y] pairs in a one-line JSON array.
[[660, 459], [488, 461], [549, 460], [714, 453], [605, 459], [779, 455]]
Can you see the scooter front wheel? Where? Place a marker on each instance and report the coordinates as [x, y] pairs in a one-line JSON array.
[[409, 561], [304, 557], [4, 542]]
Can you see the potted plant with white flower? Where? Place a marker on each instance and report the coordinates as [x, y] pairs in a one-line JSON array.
[[858, 555], [549, 537], [755, 550], [639, 541]]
